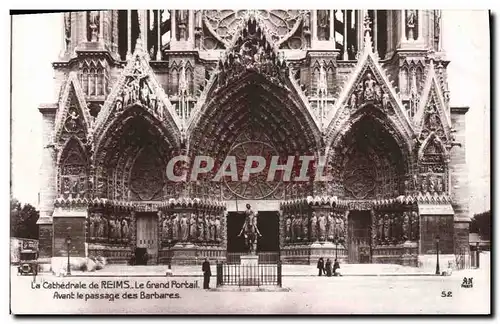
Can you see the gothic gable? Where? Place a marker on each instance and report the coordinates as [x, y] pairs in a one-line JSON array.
[[73, 117], [368, 88], [431, 116], [137, 86]]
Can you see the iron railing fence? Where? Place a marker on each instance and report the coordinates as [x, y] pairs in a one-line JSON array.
[[249, 275]]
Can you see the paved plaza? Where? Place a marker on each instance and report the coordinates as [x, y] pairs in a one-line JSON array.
[[307, 294]]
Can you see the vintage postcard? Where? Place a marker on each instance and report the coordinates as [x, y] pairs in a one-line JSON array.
[[322, 161]]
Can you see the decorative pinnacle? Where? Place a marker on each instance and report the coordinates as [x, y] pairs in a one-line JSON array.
[[367, 22]]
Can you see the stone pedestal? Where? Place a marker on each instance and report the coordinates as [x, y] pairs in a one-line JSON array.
[[183, 253], [249, 260]]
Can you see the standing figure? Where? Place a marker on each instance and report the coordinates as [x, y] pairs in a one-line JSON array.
[[212, 228], [167, 228], [314, 227], [380, 232], [184, 227], [321, 267], [207, 273], [125, 229], [92, 225], [201, 229], [386, 228], [328, 267], [288, 229], [406, 226], [175, 227], [369, 92], [305, 227], [250, 230], [145, 94], [330, 227], [414, 226], [293, 230], [218, 229], [322, 226], [206, 221], [192, 227]]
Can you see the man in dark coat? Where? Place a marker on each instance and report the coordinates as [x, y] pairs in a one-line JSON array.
[[336, 265], [321, 266], [328, 266], [206, 274]]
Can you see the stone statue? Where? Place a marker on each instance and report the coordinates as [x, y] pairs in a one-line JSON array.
[[218, 229], [439, 185], [192, 227], [167, 224], [67, 29], [305, 227], [98, 225], [314, 227], [414, 226], [330, 227], [431, 184], [352, 101], [385, 101], [380, 225], [297, 227], [386, 227], [94, 25], [145, 94], [293, 229], [153, 103], [119, 105], [206, 221], [406, 226], [341, 226], [105, 226], [322, 226], [378, 93], [369, 87], [175, 227], [424, 184], [112, 228], [184, 227], [288, 229], [250, 229], [124, 229], [201, 229], [212, 228]]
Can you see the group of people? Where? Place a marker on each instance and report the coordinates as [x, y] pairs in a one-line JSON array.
[[326, 268]]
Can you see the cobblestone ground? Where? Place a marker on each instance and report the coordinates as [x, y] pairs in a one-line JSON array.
[[307, 295]]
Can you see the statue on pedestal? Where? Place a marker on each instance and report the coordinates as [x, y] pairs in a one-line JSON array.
[[218, 228], [314, 227], [414, 226], [175, 227], [250, 230], [406, 226], [288, 229], [330, 227], [184, 227], [92, 225], [386, 228], [201, 229], [322, 226], [124, 229], [212, 228], [192, 227], [167, 224], [305, 227]]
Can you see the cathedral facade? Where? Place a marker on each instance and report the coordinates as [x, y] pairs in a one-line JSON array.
[[365, 90]]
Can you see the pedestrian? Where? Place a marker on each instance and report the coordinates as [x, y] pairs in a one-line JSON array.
[[321, 266], [206, 274], [336, 268], [328, 266]]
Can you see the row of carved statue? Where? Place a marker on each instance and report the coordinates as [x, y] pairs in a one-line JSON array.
[[395, 227], [101, 228], [187, 227], [312, 227]]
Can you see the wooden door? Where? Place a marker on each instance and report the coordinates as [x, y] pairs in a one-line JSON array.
[[147, 235], [358, 245]]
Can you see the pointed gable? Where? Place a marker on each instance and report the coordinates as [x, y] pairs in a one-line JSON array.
[[432, 116], [73, 117], [137, 85], [368, 86]]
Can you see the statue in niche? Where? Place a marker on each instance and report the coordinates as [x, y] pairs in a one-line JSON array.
[[314, 227], [414, 226], [352, 101], [218, 229], [330, 227], [411, 17], [293, 229], [201, 228], [424, 184], [92, 221], [167, 224], [288, 229], [94, 25], [297, 227], [153, 102], [305, 227], [100, 226], [206, 220], [406, 226], [175, 227], [369, 93], [380, 225], [341, 226], [322, 226], [212, 228], [385, 101], [192, 227], [323, 19], [67, 29], [182, 24], [386, 227], [145, 94], [125, 229], [359, 92], [112, 228], [184, 227], [439, 185], [431, 184]]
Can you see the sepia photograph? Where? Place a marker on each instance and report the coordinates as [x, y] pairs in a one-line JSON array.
[[250, 162]]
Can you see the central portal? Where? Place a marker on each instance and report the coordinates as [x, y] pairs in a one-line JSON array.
[[147, 239], [359, 237], [267, 245]]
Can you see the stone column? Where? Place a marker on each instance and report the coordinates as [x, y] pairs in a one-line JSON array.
[[191, 28], [332, 27], [158, 26], [345, 55], [129, 32], [101, 27], [83, 20]]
